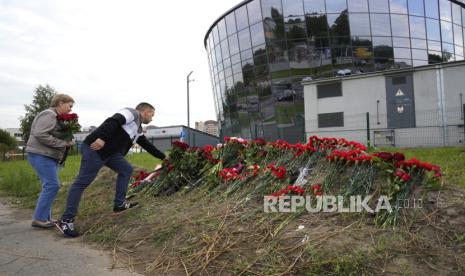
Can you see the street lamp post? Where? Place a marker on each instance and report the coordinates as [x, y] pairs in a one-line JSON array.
[[188, 112]]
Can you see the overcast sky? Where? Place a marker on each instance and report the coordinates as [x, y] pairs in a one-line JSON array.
[[108, 54]]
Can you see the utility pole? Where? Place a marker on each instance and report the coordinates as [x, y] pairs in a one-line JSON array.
[[188, 111]]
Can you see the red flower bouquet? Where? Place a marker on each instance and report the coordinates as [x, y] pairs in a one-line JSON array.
[[67, 125]]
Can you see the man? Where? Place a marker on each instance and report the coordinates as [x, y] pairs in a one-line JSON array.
[[106, 146]]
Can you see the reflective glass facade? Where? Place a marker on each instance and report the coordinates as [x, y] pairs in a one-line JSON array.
[[261, 50]]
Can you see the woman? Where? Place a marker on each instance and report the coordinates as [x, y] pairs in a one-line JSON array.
[[44, 150]]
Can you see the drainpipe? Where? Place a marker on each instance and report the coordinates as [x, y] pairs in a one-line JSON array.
[[441, 103]]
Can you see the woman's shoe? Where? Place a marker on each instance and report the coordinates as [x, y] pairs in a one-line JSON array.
[[42, 224]]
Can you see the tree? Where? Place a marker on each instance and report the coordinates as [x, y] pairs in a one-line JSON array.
[[41, 101], [6, 141]]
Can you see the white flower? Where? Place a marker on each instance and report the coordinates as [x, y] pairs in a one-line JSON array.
[[219, 146]]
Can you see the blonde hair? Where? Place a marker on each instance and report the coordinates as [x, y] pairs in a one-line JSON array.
[[60, 98]]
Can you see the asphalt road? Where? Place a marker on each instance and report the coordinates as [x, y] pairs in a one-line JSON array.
[[28, 251]]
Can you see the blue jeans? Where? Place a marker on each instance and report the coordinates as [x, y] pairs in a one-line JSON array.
[[47, 170], [91, 163]]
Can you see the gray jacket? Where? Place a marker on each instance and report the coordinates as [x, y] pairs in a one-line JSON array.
[[41, 140]]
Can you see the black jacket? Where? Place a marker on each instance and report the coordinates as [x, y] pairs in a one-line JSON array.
[[118, 132]]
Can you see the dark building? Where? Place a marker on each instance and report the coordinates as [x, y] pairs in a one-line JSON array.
[[261, 50]]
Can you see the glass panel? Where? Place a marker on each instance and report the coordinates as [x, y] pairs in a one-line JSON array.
[[358, 6], [231, 23], [458, 51], [401, 42], [233, 44], [418, 43], [362, 55], [295, 28], [255, 12], [402, 53], [417, 27], [227, 71], [245, 55], [399, 25], [237, 68], [447, 48], [274, 29], [277, 56], [383, 51], [314, 6], [259, 57], [215, 35], [361, 41], [317, 26], [419, 54], [434, 46], [463, 17], [432, 29], [297, 54], [218, 53], [447, 52], [379, 41], [225, 49], [292, 8], [456, 14], [380, 24], [398, 6], [379, 6], [431, 8], [434, 57], [338, 24], [336, 6], [458, 38], [359, 24], [445, 11], [320, 57], [417, 62], [241, 18], [244, 39], [258, 36], [415, 7], [235, 59], [446, 32], [222, 29], [341, 55], [400, 62], [272, 9]]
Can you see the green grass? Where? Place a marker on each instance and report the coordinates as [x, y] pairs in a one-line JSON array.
[[143, 160], [450, 159], [18, 179]]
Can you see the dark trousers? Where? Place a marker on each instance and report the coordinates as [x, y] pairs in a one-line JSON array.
[[91, 163]]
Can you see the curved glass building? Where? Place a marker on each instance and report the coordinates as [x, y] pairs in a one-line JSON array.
[[260, 51]]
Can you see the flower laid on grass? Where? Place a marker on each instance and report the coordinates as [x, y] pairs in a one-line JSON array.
[[257, 168], [290, 190]]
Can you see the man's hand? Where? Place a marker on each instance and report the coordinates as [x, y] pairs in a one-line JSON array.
[[97, 144], [69, 143]]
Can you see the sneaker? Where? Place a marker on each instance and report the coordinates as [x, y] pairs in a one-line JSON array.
[[42, 224], [67, 228], [125, 206]]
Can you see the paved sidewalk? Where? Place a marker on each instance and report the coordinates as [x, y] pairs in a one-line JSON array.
[[28, 251]]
